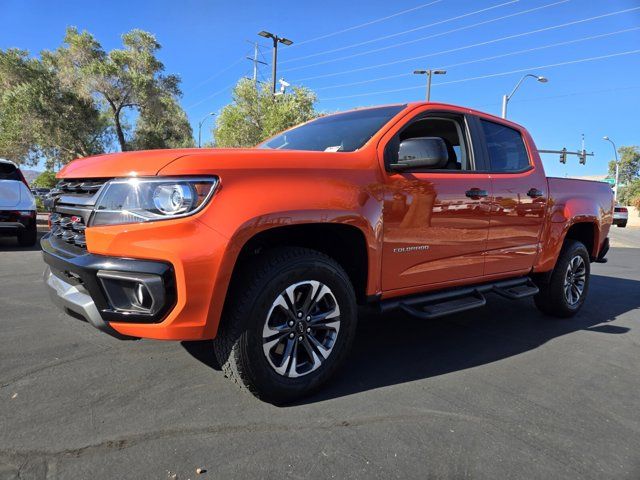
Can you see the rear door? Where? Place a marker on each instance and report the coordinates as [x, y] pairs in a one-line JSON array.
[[435, 221], [519, 200]]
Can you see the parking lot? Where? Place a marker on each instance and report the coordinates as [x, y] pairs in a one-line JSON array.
[[499, 392]]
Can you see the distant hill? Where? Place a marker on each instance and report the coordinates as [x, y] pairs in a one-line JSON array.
[[30, 175]]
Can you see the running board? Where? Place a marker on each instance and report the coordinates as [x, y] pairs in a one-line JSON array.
[[518, 291], [434, 305], [446, 307]]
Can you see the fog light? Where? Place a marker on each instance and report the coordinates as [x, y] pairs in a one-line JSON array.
[[142, 296], [140, 293]]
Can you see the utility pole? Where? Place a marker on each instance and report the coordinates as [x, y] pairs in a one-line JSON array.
[[615, 151], [429, 73], [255, 61], [274, 62]]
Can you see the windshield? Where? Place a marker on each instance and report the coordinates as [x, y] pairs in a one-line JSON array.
[[343, 132]]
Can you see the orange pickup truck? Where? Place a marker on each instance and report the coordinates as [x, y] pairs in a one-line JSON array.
[[425, 208]]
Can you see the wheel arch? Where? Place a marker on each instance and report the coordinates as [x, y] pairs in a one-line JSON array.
[[348, 238], [345, 243], [586, 232]]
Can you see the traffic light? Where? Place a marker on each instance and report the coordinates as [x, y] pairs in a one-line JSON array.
[[563, 156], [583, 157]]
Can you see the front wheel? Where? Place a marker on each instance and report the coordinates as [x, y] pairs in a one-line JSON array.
[[567, 289], [289, 324]]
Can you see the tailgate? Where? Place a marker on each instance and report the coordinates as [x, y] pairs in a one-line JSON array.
[[10, 193]]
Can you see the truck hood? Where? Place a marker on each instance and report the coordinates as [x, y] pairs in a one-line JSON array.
[[124, 164], [194, 161]]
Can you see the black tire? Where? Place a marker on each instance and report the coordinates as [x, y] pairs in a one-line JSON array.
[[552, 299], [622, 224], [28, 236], [255, 289]]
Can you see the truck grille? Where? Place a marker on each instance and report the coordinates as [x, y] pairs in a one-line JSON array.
[[72, 203]]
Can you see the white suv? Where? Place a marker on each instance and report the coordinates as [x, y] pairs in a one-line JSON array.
[[17, 205]]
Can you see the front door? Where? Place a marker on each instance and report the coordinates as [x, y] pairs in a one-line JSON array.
[[436, 221]]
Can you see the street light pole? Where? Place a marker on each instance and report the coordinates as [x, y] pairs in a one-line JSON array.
[[615, 151], [276, 39], [210, 114], [506, 98], [429, 73]]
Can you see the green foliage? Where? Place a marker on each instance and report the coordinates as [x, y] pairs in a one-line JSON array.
[[629, 193], [255, 114], [46, 179], [39, 117], [124, 80], [165, 126], [80, 100], [629, 164]]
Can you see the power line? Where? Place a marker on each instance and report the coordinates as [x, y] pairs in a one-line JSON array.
[[220, 72], [478, 60], [564, 95], [366, 24], [385, 37], [419, 57], [492, 75], [214, 94], [395, 45]]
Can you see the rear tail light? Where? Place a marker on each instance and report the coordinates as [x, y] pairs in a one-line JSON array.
[[622, 209]]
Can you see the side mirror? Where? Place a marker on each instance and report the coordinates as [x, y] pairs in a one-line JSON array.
[[421, 152]]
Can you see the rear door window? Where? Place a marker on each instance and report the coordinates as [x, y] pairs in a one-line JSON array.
[[505, 146]]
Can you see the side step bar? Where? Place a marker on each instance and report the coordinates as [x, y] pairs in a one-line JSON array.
[[434, 305]]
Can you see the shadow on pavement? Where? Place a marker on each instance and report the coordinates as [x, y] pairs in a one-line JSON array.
[[395, 348], [10, 244]]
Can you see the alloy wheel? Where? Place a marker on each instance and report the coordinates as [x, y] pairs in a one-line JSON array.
[[301, 328], [575, 279]]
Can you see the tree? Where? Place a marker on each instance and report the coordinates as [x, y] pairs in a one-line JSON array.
[[629, 193], [125, 80], [629, 165], [163, 127], [255, 114], [46, 179], [39, 117]]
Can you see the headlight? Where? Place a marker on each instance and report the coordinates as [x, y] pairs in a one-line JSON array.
[[135, 200]]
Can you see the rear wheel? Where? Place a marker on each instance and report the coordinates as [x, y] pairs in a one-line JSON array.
[[622, 224], [289, 325], [28, 236], [567, 289]]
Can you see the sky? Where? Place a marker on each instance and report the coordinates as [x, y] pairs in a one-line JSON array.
[[360, 53]]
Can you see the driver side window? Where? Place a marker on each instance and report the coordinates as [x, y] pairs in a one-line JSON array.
[[451, 133]]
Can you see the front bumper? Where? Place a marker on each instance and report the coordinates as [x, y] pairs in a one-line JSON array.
[[200, 259], [101, 289], [75, 299]]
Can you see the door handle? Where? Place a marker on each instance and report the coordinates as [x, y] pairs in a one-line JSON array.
[[534, 193], [476, 193]]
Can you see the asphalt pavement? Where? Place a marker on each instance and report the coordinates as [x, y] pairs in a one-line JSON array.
[[499, 392]]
